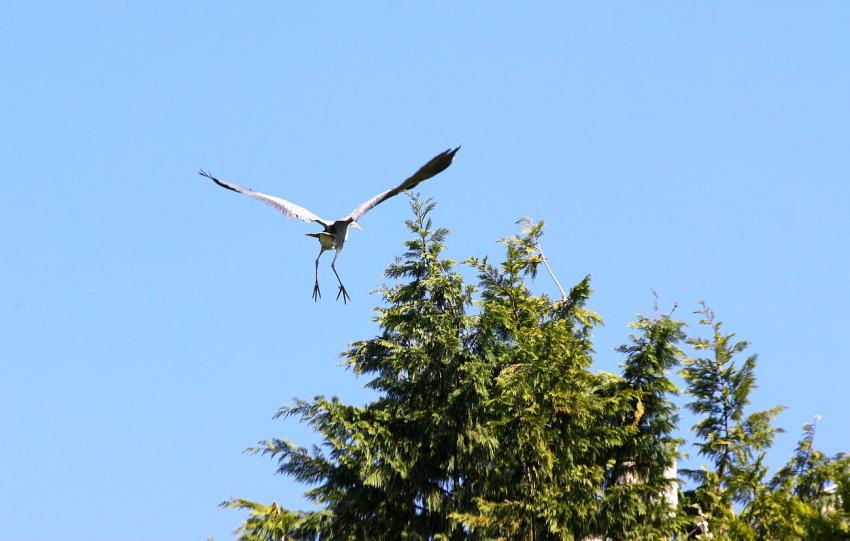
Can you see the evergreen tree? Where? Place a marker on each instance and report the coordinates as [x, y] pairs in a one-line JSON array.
[[393, 469], [734, 442], [490, 424], [486, 426], [548, 412], [641, 490], [807, 499]]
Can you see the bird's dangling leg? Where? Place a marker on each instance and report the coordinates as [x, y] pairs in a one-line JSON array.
[[317, 293], [342, 291]]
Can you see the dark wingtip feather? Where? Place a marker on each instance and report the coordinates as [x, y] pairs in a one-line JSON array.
[[212, 178], [223, 185], [442, 161]]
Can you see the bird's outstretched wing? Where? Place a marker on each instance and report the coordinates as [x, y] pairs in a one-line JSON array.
[[437, 164], [289, 209]]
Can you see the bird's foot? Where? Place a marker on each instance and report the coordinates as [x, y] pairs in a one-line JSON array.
[[317, 293], [344, 293]]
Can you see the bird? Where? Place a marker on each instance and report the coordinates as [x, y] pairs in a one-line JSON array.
[[334, 233]]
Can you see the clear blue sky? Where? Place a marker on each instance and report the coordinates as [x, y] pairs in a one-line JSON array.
[[151, 323]]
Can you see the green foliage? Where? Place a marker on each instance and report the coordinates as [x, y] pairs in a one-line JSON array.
[[273, 523], [806, 499], [636, 509], [546, 409], [732, 440], [489, 423], [802, 501]]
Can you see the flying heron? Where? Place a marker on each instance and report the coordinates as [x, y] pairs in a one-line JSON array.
[[335, 232]]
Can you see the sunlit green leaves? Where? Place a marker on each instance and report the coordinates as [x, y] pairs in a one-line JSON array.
[[490, 423]]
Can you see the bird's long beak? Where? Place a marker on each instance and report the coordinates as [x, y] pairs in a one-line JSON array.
[[356, 226]]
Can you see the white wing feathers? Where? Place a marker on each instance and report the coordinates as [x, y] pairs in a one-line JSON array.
[[287, 208], [437, 165]]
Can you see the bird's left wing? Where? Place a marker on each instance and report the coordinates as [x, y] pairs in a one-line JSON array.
[[438, 164], [287, 208]]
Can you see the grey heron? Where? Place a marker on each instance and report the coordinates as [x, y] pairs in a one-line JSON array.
[[335, 232]]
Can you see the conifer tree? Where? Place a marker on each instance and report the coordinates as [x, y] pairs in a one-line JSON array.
[[489, 423], [486, 426], [548, 410], [393, 469], [807, 499], [734, 442], [641, 489]]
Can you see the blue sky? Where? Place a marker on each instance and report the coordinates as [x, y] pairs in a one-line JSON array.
[[151, 323]]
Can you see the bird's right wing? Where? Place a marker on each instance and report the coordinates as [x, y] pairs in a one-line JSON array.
[[436, 165], [289, 209]]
